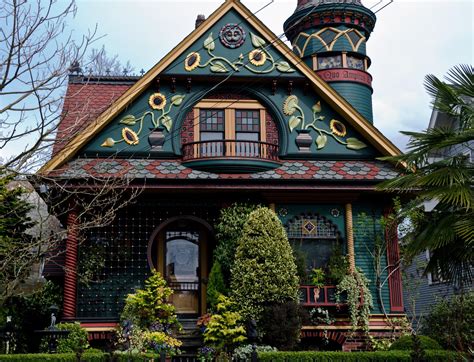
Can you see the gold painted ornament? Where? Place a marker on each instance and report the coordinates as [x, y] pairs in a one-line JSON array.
[[192, 61], [257, 57], [129, 136], [337, 128], [157, 101]]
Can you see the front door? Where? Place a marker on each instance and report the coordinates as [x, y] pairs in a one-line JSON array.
[[182, 269]]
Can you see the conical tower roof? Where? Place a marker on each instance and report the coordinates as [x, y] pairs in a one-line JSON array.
[[303, 4]]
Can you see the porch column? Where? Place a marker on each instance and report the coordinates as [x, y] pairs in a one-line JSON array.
[[70, 272], [350, 237], [393, 261]]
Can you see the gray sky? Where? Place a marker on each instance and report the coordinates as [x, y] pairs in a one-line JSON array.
[[410, 40]]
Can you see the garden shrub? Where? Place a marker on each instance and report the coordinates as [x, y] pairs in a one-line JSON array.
[[244, 353], [228, 231], [405, 343], [75, 341], [225, 329], [281, 325], [148, 319], [216, 285], [381, 356], [58, 357], [451, 322], [264, 270]]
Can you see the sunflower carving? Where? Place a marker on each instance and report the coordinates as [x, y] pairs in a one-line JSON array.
[[134, 125], [260, 60], [336, 129], [157, 101]]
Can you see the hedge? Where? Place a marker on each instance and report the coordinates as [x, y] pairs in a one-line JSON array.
[[405, 343], [86, 357], [59, 357], [386, 356]]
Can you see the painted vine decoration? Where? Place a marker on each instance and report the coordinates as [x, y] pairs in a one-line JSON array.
[[258, 57], [158, 102], [337, 129]]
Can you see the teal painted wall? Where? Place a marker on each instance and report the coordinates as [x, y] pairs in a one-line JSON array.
[[274, 104], [358, 95], [366, 229], [232, 55]]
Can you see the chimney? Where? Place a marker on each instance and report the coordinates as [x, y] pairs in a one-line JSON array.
[[200, 19]]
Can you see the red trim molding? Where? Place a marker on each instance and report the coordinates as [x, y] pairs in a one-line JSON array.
[[346, 75], [70, 275], [395, 277]]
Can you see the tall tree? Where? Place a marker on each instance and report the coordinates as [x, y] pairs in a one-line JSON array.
[[438, 170], [37, 50]]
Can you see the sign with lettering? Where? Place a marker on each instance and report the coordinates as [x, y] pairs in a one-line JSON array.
[[345, 75]]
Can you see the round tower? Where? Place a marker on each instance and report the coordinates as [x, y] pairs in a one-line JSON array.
[[330, 36]]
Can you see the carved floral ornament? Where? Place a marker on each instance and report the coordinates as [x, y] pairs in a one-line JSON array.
[[258, 61], [337, 130], [157, 102]]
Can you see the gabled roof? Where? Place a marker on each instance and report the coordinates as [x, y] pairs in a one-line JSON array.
[[328, 94]]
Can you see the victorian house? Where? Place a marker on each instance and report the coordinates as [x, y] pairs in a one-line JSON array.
[[233, 114]]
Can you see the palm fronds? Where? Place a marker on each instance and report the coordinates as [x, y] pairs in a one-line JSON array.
[[433, 173]]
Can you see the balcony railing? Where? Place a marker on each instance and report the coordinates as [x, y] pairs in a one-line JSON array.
[[312, 296], [230, 149]]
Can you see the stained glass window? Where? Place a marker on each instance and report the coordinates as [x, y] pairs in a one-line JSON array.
[[212, 119], [355, 63], [330, 62], [247, 121]]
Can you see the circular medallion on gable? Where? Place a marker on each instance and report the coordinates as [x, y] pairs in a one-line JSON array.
[[232, 35]]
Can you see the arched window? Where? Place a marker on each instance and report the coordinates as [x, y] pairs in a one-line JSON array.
[[314, 239]]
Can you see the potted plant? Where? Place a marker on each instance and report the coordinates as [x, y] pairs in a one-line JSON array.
[[317, 279]]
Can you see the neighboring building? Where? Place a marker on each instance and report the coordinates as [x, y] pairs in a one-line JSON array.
[[423, 291], [232, 114]]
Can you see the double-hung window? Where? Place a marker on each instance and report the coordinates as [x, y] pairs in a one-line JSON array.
[[229, 128]]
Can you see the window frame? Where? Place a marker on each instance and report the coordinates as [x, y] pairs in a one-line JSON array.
[[229, 106]]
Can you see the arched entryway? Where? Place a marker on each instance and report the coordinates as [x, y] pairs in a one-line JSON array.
[[179, 249]]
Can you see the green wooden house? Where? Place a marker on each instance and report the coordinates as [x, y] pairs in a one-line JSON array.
[[232, 114]]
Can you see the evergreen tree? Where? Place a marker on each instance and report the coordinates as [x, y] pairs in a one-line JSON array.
[[228, 231], [448, 230], [264, 270], [215, 286]]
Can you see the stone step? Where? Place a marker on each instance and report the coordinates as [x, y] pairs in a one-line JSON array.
[[188, 323]]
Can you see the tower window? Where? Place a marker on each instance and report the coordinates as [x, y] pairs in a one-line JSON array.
[[355, 63], [330, 62]]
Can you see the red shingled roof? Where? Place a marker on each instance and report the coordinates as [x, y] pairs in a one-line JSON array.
[[84, 102]]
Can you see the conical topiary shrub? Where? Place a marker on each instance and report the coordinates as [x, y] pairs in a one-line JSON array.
[[264, 270]]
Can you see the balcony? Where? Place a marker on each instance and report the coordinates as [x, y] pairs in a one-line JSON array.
[[235, 156]]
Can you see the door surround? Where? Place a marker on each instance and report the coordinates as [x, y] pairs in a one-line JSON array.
[[157, 238]]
